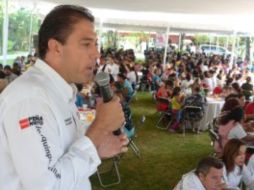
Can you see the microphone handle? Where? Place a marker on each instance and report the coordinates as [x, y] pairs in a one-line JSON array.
[[107, 95]]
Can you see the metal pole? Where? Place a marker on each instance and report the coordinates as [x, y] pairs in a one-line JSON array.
[[100, 35], [5, 31], [233, 51], [217, 41], [166, 48], [227, 43], [31, 28], [210, 40], [179, 41]]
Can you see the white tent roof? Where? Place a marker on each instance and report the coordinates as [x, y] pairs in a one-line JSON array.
[[172, 6], [223, 16]]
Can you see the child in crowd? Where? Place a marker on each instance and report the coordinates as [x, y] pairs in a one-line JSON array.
[[177, 100]]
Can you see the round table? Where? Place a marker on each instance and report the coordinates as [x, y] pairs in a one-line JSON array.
[[212, 110]]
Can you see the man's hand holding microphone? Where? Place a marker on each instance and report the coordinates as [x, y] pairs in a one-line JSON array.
[[105, 131]]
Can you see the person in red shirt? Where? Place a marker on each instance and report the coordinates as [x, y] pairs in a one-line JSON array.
[[249, 111], [163, 95]]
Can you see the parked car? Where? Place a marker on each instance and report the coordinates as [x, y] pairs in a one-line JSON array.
[[213, 49]]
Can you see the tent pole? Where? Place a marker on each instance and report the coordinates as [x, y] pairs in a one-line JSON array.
[[227, 43], [166, 48], [233, 50], [100, 35], [31, 28], [5, 31], [179, 41]]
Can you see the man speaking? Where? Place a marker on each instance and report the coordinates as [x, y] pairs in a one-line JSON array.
[[42, 144]]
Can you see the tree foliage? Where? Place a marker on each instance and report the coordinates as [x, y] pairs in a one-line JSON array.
[[19, 29]]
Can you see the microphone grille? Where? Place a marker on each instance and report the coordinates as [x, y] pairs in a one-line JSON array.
[[102, 78]]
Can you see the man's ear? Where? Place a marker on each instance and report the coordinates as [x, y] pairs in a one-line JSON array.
[[201, 176], [54, 47]]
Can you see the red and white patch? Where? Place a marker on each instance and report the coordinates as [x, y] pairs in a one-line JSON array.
[[24, 123]]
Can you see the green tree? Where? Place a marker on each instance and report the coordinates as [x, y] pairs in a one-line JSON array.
[[201, 39], [19, 29]]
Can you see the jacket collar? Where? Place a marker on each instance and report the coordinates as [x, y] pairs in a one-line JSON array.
[[67, 91]]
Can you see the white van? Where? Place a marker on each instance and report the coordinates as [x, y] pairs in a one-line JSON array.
[[213, 49]]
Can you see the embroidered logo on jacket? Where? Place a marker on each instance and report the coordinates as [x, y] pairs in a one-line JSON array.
[[30, 121], [68, 121]]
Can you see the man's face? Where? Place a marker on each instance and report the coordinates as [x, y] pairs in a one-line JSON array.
[[212, 180], [79, 53], [7, 72]]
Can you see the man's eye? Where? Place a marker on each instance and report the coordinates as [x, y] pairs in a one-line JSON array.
[[86, 44]]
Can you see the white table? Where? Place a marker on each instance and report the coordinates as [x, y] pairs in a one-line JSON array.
[[212, 110], [86, 117]]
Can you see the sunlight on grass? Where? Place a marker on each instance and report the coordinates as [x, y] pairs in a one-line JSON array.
[[165, 156]]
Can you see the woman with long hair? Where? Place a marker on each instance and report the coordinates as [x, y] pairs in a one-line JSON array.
[[235, 170], [231, 125]]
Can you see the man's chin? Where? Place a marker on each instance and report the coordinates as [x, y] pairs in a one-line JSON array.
[[88, 79]]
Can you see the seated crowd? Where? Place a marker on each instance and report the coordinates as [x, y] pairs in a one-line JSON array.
[[184, 82]]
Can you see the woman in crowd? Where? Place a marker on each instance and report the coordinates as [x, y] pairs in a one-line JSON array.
[[163, 95], [235, 169], [231, 125], [236, 89]]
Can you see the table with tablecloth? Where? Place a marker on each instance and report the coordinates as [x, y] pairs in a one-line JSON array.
[[212, 110]]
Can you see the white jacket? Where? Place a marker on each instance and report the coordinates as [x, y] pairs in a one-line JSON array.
[[190, 181], [234, 178], [42, 144]]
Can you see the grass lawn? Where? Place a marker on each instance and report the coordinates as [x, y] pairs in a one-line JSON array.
[[164, 156]]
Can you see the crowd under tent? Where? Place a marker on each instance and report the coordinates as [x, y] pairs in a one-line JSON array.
[[218, 17]]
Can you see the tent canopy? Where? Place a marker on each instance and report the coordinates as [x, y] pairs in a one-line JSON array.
[[221, 16]]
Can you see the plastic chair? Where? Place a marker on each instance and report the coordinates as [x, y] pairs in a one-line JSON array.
[[114, 168], [162, 106], [131, 135], [115, 160], [192, 115]]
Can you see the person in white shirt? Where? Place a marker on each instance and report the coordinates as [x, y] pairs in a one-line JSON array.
[[208, 81], [235, 169], [207, 176], [110, 67], [133, 77], [104, 65], [231, 122], [250, 164], [42, 143], [114, 69]]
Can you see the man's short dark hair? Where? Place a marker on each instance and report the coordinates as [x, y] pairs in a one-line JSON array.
[[59, 23], [7, 67], [206, 163], [2, 75]]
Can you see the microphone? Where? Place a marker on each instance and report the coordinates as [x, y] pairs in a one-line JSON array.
[[102, 79]]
